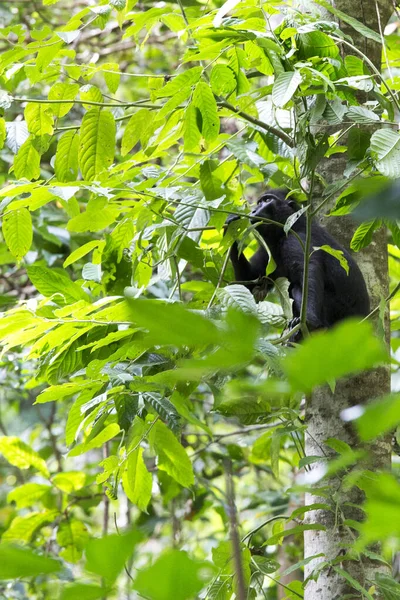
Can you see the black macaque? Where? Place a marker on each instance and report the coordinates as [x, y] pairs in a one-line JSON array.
[[332, 294]]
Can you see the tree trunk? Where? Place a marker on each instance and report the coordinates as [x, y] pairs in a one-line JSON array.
[[324, 409]]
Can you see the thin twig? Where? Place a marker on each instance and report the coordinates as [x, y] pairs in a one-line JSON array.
[[234, 534]]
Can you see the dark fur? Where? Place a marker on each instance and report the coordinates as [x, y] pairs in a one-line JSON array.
[[332, 294]]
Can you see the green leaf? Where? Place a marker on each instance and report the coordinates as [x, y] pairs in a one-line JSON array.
[[172, 457], [63, 91], [173, 575], [17, 231], [204, 100], [360, 114], [99, 215], [72, 536], [239, 297], [317, 43], [183, 80], [39, 118], [137, 481], [16, 562], [66, 163], [57, 285], [24, 529], [111, 75], [135, 130], [82, 591], [21, 455], [107, 434], [360, 27], [3, 132], [222, 80], [210, 184], [385, 144], [164, 321], [363, 234], [338, 254], [107, 556], [278, 537], [351, 347], [192, 134], [27, 161], [97, 143], [380, 416], [353, 582], [82, 251], [90, 93], [284, 87], [28, 494]]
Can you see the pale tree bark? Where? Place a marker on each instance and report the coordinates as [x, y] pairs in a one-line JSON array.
[[324, 409]]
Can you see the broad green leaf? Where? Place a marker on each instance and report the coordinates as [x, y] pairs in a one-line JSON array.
[[211, 185], [107, 434], [164, 321], [172, 456], [284, 87], [222, 80], [21, 455], [192, 134], [360, 114], [82, 251], [278, 537], [28, 494], [66, 163], [351, 347], [23, 529], [358, 142], [39, 118], [338, 254], [17, 562], [27, 161], [97, 143], [183, 80], [385, 144], [317, 43], [174, 102], [334, 112], [380, 416], [107, 556], [90, 93], [99, 215], [111, 76], [204, 100], [57, 285], [69, 481], [239, 297], [63, 91], [173, 575], [17, 231], [354, 583], [363, 234], [82, 591], [135, 129], [360, 27], [137, 480], [72, 536], [3, 132], [58, 392], [382, 508]]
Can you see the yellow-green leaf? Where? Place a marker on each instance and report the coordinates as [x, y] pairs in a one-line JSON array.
[[172, 456], [3, 132], [17, 231], [21, 455], [97, 143], [204, 99], [66, 163], [104, 436], [63, 91], [137, 480], [27, 161], [135, 129], [39, 118]]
